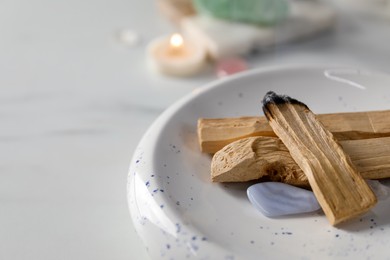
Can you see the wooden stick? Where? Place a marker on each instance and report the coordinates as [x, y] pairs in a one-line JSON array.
[[258, 157], [252, 158], [216, 133], [338, 187]]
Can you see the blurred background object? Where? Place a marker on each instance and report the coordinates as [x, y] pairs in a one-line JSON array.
[[231, 28], [175, 10], [372, 8]]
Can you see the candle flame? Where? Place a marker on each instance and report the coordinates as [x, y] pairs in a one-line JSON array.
[[176, 40]]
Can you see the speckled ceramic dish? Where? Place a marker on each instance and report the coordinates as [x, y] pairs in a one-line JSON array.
[[180, 214]]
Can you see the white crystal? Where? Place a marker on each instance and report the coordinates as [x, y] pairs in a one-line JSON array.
[[128, 37], [277, 199]]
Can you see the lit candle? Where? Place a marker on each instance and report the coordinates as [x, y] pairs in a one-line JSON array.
[[177, 57]]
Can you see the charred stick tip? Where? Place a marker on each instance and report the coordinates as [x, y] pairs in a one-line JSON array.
[[273, 98]]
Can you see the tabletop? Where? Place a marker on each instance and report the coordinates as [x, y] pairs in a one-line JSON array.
[[75, 101]]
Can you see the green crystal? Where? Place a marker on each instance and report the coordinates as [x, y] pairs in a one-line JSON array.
[[263, 12]]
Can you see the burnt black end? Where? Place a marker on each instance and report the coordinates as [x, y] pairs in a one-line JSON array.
[[273, 98]]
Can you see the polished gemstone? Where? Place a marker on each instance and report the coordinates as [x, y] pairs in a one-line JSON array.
[[264, 12], [275, 199], [382, 192]]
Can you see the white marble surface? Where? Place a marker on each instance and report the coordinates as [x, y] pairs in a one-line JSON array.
[[74, 103]]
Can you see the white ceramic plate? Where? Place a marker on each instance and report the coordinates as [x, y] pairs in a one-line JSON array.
[[180, 214]]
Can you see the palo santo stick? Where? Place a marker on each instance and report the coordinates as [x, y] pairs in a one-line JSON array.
[[338, 187], [258, 157], [214, 134], [252, 158]]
